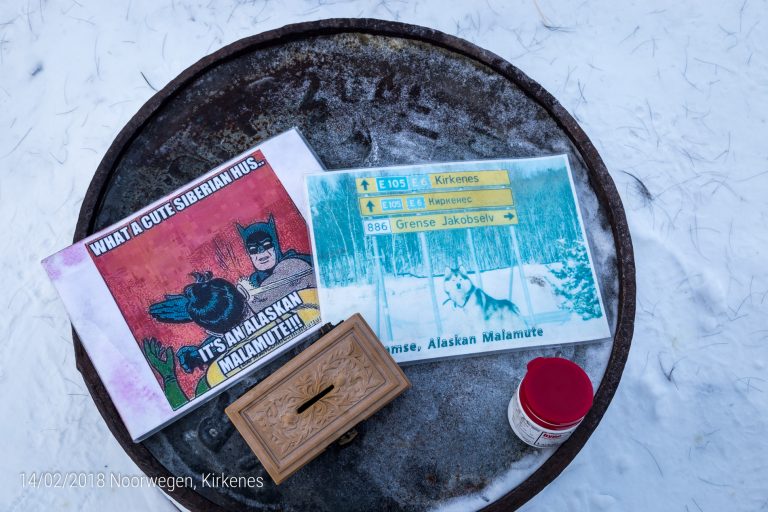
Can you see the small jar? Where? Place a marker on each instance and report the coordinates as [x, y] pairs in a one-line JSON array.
[[551, 401]]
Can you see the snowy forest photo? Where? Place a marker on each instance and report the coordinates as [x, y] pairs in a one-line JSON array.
[[540, 265]]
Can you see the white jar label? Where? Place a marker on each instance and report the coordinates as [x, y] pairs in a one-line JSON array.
[[529, 432]]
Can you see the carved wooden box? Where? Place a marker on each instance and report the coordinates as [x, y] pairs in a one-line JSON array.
[[290, 417]]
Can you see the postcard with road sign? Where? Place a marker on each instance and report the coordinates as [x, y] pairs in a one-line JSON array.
[[455, 259]]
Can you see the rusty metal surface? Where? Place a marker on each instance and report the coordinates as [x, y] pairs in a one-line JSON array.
[[368, 93]]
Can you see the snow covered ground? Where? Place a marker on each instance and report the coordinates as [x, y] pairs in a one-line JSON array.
[[673, 94]]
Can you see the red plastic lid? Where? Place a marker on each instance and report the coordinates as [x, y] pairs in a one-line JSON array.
[[555, 392]]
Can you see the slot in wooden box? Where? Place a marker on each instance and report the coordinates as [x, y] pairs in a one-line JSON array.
[[290, 417]]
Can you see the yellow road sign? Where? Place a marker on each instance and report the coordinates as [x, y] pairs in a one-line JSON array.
[[468, 179], [366, 185], [387, 205], [430, 181], [449, 220]]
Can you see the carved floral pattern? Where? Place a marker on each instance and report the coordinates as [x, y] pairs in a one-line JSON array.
[[346, 367]]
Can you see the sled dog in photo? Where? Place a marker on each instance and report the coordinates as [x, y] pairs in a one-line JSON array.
[[463, 293]]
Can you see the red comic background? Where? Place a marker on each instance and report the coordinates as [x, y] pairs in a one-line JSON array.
[[201, 237]]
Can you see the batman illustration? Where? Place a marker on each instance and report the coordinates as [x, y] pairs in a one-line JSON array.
[[217, 305], [263, 247]]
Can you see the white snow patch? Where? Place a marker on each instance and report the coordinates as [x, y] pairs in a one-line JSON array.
[[673, 93]]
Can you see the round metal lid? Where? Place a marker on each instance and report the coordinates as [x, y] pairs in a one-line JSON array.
[[369, 93]]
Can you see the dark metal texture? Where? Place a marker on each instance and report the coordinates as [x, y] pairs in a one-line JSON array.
[[368, 93]]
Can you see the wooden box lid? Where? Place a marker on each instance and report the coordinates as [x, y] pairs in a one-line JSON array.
[[290, 417]]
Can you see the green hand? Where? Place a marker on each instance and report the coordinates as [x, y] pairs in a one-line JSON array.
[[161, 359]]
